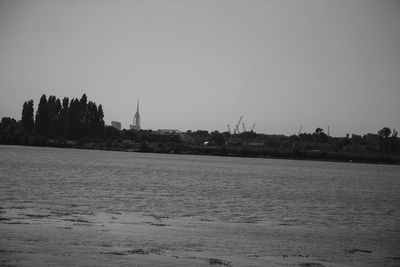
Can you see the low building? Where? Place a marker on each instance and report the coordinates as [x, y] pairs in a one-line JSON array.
[[116, 125]]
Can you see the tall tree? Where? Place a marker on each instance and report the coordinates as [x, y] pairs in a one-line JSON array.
[[83, 116], [57, 124], [42, 116], [27, 119], [92, 117], [53, 107], [70, 119], [100, 121], [63, 122], [74, 118]]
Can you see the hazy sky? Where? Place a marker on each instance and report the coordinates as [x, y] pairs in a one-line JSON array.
[[202, 64]]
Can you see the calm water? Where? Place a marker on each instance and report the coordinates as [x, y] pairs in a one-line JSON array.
[[70, 206]]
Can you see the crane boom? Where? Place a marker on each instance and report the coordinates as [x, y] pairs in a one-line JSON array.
[[237, 125], [301, 127], [252, 128]]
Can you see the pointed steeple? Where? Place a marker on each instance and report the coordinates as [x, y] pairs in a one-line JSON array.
[[136, 118]]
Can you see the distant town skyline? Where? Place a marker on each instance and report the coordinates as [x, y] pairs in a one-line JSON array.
[[200, 65]]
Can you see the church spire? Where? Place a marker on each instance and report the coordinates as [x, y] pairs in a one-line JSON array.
[[136, 118]]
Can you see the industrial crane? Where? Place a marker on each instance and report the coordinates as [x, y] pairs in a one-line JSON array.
[[252, 128], [229, 129], [237, 125], [236, 129], [301, 127]]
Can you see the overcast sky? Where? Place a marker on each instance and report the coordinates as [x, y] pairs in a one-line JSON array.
[[203, 64]]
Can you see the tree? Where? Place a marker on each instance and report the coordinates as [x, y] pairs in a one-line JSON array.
[[54, 108], [111, 132], [83, 116], [42, 116], [63, 121], [74, 118], [306, 137], [394, 142], [388, 141], [217, 138], [320, 136], [8, 131], [384, 132], [92, 117], [200, 136], [27, 120], [319, 131], [7, 123], [100, 122], [57, 123]]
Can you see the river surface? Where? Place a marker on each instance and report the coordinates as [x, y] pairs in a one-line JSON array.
[[74, 207]]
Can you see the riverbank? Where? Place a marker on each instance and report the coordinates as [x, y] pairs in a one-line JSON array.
[[225, 151]]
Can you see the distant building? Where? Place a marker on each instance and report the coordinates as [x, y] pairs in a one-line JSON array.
[[116, 125], [136, 119]]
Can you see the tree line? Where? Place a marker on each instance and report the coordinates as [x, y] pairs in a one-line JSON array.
[[72, 119], [80, 123], [384, 141]]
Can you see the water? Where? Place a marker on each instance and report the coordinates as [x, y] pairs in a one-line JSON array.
[[86, 207]]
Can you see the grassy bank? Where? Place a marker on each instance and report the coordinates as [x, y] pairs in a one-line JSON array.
[[171, 147]]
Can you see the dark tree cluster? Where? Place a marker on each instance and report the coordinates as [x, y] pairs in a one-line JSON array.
[[68, 119], [9, 131], [388, 140]]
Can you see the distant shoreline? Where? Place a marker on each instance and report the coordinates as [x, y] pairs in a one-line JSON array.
[[79, 123], [215, 151]]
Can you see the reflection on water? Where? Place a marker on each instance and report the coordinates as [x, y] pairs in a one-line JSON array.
[[116, 208]]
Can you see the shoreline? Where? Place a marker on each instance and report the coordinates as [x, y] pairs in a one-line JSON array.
[[322, 156]]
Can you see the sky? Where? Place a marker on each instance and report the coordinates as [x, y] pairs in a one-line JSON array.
[[203, 64]]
